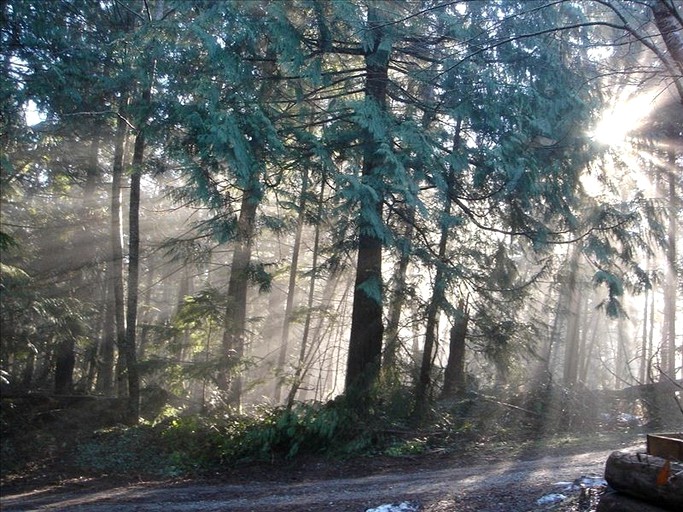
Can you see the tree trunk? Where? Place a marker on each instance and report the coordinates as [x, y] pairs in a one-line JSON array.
[[291, 288], [323, 331], [668, 21], [433, 308], [234, 332], [365, 345], [438, 297], [133, 409], [116, 236], [88, 246], [668, 365], [65, 360], [129, 348], [571, 353], [105, 356], [147, 308], [651, 338], [587, 356], [398, 299], [670, 27], [454, 381], [644, 353], [302, 367]]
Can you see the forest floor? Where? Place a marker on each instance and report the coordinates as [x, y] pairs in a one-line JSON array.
[[487, 478]]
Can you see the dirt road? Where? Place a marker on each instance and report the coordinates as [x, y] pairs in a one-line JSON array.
[[501, 486]]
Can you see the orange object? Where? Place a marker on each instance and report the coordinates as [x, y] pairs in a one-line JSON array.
[[664, 474]]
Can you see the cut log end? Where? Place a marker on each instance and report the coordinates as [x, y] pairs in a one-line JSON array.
[[650, 479]]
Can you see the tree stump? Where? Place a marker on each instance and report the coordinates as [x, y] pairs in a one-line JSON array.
[[651, 479]]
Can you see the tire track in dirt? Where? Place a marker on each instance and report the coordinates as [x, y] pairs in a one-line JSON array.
[[506, 486]]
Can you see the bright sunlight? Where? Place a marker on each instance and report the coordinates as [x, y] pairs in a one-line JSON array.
[[624, 116]]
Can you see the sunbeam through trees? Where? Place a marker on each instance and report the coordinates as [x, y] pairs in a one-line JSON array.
[[351, 214]]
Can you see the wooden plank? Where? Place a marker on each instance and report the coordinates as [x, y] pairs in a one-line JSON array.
[[666, 446]]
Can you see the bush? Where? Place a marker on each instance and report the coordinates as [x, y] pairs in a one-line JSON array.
[[124, 450], [195, 442]]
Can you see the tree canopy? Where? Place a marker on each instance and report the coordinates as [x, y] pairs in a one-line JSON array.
[[335, 197]]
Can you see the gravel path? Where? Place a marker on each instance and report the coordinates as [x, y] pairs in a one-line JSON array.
[[500, 486]]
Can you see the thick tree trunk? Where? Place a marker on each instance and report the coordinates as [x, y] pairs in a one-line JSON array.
[[667, 16], [365, 345], [670, 27], [234, 332]]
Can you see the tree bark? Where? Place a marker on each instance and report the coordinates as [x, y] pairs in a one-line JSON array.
[[133, 410], [65, 360], [129, 347], [454, 381], [365, 345], [644, 353], [671, 29], [234, 332], [116, 236]]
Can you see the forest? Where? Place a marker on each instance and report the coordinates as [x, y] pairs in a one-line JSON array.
[[277, 226]]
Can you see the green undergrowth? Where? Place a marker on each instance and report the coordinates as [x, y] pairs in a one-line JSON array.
[[196, 445], [178, 444], [193, 444]]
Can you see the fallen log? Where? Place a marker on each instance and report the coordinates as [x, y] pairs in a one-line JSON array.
[[648, 478], [613, 501]]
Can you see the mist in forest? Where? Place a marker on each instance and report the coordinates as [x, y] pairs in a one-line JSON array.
[[231, 206]]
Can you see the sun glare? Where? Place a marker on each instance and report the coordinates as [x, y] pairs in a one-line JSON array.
[[624, 115]]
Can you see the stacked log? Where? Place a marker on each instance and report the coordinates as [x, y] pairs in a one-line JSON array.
[[641, 482]]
